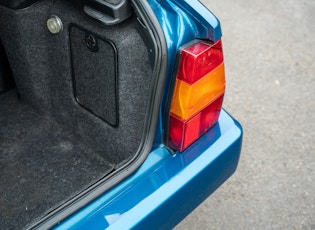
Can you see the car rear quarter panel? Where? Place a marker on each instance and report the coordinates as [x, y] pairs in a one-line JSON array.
[[168, 186]]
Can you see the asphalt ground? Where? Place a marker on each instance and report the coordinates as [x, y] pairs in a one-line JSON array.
[[269, 49]]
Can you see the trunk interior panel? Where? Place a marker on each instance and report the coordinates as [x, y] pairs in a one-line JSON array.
[[76, 113]]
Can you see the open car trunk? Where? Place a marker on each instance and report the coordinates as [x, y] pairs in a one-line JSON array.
[[73, 105]]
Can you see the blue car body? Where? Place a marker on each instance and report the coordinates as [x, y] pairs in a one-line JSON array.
[[169, 185]]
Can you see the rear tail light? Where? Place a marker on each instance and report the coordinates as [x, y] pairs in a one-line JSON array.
[[198, 93]]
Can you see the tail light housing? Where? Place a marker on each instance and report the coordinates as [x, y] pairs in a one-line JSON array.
[[198, 92]]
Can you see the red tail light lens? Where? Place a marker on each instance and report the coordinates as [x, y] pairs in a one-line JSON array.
[[198, 60], [198, 93], [184, 132]]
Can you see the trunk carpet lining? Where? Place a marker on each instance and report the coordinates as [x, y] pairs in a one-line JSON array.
[[41, 163]]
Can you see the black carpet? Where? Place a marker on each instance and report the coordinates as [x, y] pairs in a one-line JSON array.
[[41, 163], [44, 67]]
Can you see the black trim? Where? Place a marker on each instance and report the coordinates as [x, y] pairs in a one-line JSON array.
[[148, 17], [6, 78], [108, 12], [17, 4], [169, 100], [116, 124]]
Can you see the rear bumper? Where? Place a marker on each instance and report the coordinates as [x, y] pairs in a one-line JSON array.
[[167, 187]]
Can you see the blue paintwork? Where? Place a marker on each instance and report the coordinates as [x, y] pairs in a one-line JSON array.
[[168, 187]]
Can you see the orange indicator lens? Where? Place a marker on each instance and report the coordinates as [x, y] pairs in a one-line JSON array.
[[190, 99]]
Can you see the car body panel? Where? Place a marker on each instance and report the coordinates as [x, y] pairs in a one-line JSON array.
[[167, 187]]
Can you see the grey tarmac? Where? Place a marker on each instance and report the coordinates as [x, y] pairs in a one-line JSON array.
[[269, 49]]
